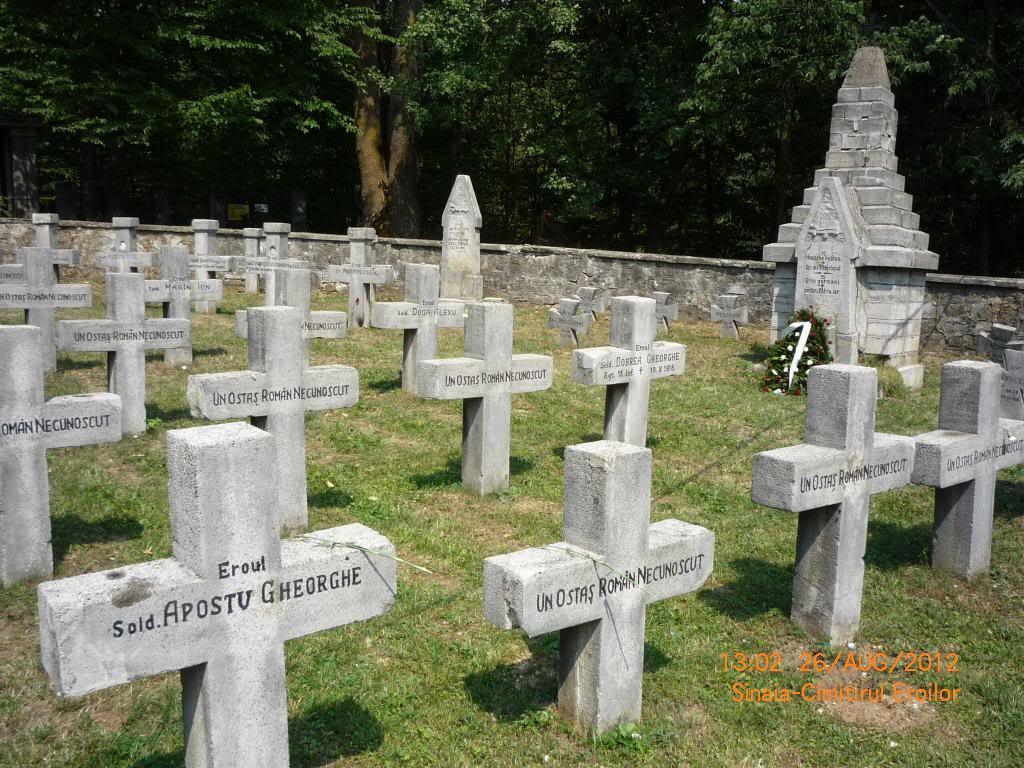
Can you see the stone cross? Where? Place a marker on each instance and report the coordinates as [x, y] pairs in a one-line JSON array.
[[994, 342], [570, 321], [485, 380], [12, 273], [829, 481], [29, 425], [594, 587], [960, 460], [664, 311], [728, 314], [176, 291], [46, 225], [126, 257], [275, 248], [275, 394], [460, 243], [39, 295], [361, 275], [206, 261], [590, 302], [125, 336], [420, 315], [627, 366], [291, 289], [252, 237], [221, 609]]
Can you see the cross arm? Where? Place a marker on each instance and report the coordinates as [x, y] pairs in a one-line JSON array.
[[945, 457], [531, 373], [804, 477], [217, 263], [66, 257], [264, 266], [325, 325], [454, 378], [579, 321], [614, 365], [545, 589], [375, 274], [407, 314], [73, 420], [334, 577], [12, 273], [736, 314], [159, 291], [114, 259], [227, 395], [19, 295]]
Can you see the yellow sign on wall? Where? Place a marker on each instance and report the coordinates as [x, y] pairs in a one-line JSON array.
[[238, 211]]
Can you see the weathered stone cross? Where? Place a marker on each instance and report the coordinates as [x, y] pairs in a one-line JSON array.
[[627, 366], [595, 586], [485, 380], [46, 226], [663, 310], [275, 394], [222, 608], [361, 275], [420, 315], [28, 427], [125, 257], [207, 262], [570, 321], [275, 249], [728, 314], [829, 480], [960, 460], [994, 342], [39, 295], [176, 291], [252, 237], [125, 336], [590, 302]]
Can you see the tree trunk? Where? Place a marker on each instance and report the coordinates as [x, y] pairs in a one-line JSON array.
[[373, 172], [783, 172], [403, 197]]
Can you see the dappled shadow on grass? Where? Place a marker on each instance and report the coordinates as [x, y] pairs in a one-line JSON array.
[[329, 497], [69, 530], [891, 545], [452, 472], [1009, 499], [327, 732], [385, 385], [208, 351], [590, 437], [167, 760], [79, 363], [760, 587], [758, 352], [154, 411]]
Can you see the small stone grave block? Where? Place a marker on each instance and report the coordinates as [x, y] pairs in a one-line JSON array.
[[125, 336], [252, 236], [176, 291], [361, 275], [594, 587], [829, 481], [221, 609], [126, 257], [663, 310], [420, 315], [274, 394], [627, 366], [570, 321], [728, 314], [207, 262], [485, 380], [590, 302], [960, 460], [460, 243], [39, 296], [29, 425]]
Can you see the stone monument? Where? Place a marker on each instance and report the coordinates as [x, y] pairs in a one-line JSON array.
[[176, 291], [207, 261], [590, 302], [570, 321], [728, 314], [126, 256], [361, 275], [47, 226], [460, 244], [663, 310], [252, 236]]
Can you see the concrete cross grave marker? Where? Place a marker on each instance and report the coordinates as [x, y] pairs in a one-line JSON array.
[[39, 295], [997, 340], [460, 243], [960, 460], [485, 380], [570, 321], [126, 257], [664, 311], [275, 394], [829, 481], [46, 226], [627, 366], [420, 315], [291, 289], [594, 587], [275, 249], [252, 237], [590, 302], [29, 425], [125, 336], [361, 275], [207, 262], [176, 291], [728, 314], [1011, 391], [221, 609]]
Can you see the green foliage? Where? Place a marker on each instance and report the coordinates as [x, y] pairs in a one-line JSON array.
[[780, 355]]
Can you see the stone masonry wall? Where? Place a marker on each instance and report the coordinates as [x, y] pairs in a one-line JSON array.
[[957, 306]]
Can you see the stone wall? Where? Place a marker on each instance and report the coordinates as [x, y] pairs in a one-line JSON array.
[[956, 308]]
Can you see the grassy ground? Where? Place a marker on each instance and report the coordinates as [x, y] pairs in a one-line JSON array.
[[432, 684]]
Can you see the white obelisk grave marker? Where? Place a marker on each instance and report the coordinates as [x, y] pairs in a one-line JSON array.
[[829, 480], [28, 427], [176, 291], [252, 236], [485, 380], [460, 243], [627, 366], [570, 321], [420, 315], [960, 460], [125, 336], [361, 275], [222, 608], [595, 586], [46, 226], [126, 256], [207, 262], [275, 394], [39, 295]]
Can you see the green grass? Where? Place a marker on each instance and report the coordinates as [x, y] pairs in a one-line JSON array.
[[431, 683]]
